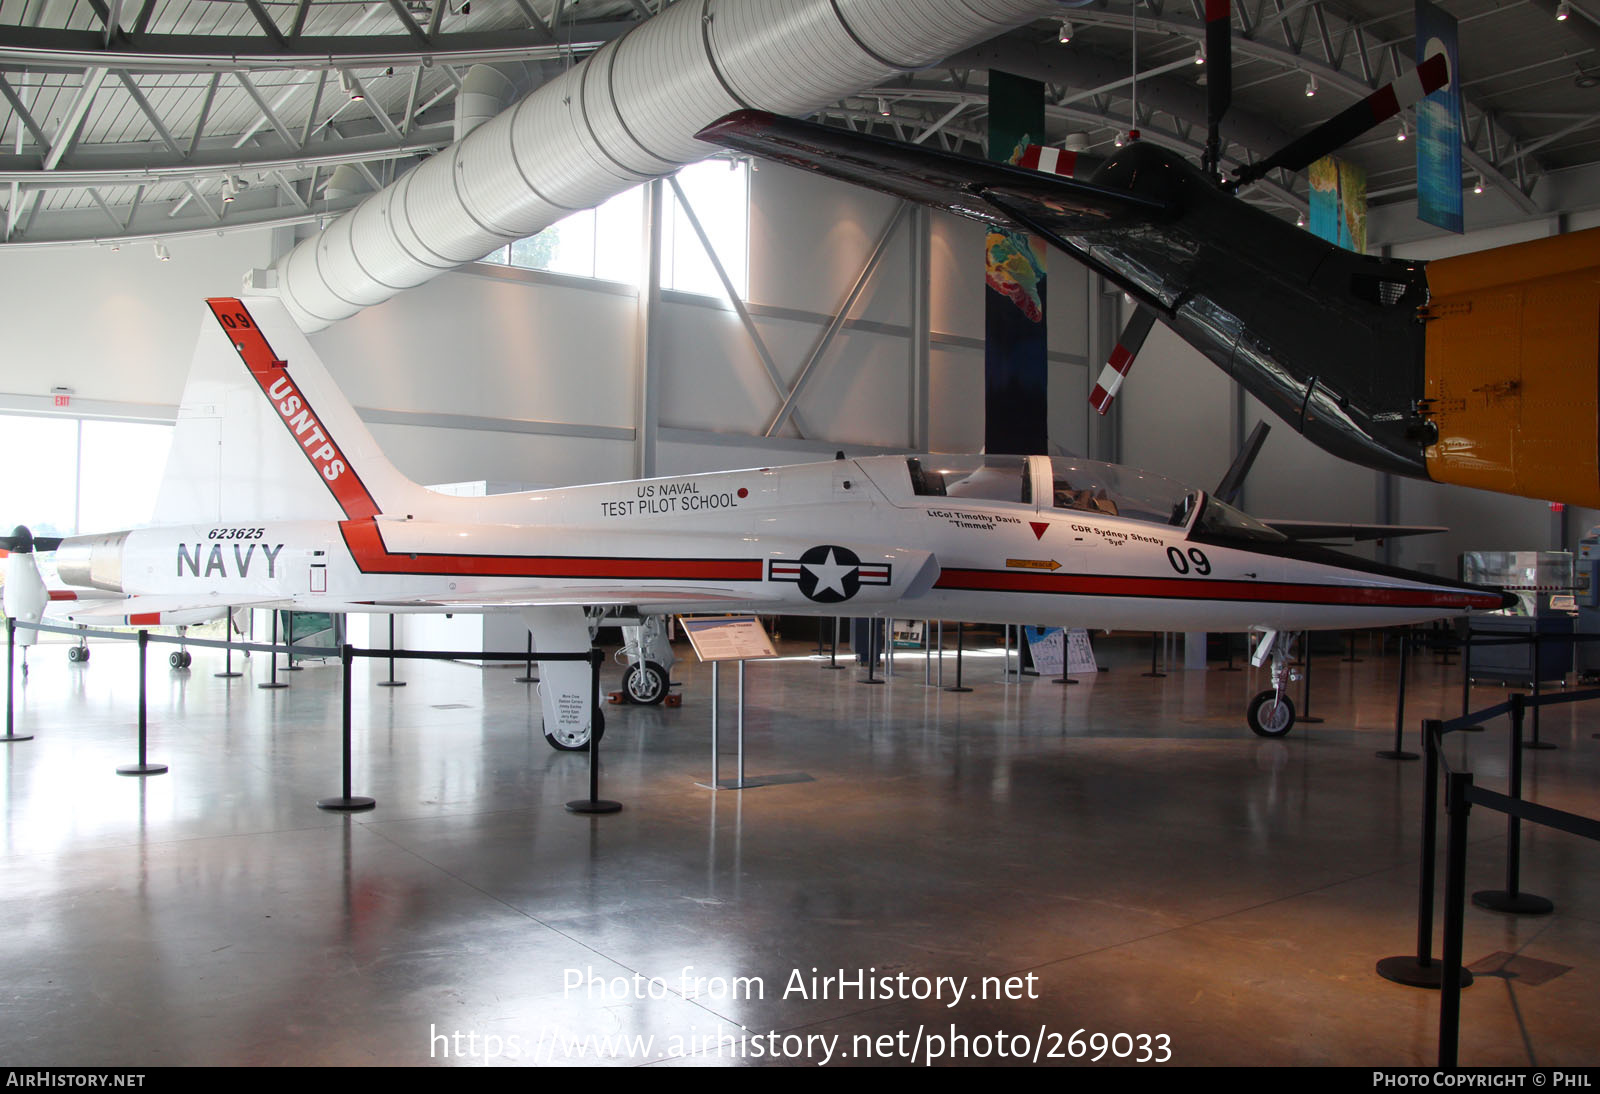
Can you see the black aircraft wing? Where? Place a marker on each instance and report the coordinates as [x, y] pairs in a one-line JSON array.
[[1012, 197], [1317, 531]]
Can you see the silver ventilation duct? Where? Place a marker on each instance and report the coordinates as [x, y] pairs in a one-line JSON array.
[[626, 114]]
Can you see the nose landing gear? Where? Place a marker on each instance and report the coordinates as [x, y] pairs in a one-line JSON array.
[[1271, 713]]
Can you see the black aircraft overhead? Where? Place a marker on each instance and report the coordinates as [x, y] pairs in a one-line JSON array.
[[1482, 370]]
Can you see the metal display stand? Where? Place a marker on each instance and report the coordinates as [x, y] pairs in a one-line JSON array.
[[144, 766], [960, 643], [737, 638], [227, 634], [11, 663], [272, 653], [392, 682]]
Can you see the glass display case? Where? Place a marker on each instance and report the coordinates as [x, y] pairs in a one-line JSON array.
[[1535, 578]]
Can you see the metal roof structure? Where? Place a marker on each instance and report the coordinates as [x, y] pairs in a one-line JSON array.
[[144, 119]]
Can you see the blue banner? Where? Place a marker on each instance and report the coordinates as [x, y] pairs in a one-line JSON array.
[[1439, 125]]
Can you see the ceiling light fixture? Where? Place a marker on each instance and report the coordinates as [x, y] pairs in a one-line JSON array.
[[1563, 10], [1477, 187], [1064, 35], [883, 106], [229, 189], [162, 254], [1200, 55], [1401, 133], [1300, 220], [1311, 87], [348, 85]]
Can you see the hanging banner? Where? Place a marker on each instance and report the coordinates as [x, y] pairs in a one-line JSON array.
[[1339, 203], [1439, 125], [1015, 366]]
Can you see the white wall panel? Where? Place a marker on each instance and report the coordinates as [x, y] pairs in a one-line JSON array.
[[545, 350], [810, 237], [955, 411], [114, 325]]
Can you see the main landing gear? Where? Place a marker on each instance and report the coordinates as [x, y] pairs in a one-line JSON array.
[[1271, 713], [180, 658]]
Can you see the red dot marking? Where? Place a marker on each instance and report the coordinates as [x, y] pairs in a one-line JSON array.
[[743, 493]]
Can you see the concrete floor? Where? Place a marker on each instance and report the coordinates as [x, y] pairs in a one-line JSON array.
[[1126, 843]]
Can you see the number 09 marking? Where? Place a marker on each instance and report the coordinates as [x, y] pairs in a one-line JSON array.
[[1181, 563]]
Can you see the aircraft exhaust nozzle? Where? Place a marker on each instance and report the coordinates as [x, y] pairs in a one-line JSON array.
[[93, 562]]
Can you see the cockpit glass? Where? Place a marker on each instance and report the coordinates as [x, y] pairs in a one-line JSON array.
[[1220, 520], [979, 478], [1107, 489]]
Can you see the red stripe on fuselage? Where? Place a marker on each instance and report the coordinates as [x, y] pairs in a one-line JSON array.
[[144, 619], [372, 557], [298, 417], [1177, 588]]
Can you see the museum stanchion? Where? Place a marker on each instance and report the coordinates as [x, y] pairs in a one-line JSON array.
[[274, 683], [1538, 664], [11, 666], [1419, 970], [1155, 644], [940, 681], [144, 766], [288, 644], [1227, 644], [833, 648], [227, 637], [1350, 657], [346, 802], [960, 643], [1457, 806], [1305, 692], [1511, 899], [594, 804], [392, 682], [527, 676], [874, 633], [1398, 752], [1460, 796]]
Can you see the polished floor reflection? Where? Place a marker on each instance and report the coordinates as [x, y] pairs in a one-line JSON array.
[[1117, 857]]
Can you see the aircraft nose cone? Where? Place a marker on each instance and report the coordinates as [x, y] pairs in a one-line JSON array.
[[21, 539]]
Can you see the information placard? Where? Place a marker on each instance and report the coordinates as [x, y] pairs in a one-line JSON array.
[[727, 637]]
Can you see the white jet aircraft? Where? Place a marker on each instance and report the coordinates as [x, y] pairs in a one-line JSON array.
[[276, 496]]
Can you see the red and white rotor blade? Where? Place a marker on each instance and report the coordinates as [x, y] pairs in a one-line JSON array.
[[1057, 161], [1121, 360]]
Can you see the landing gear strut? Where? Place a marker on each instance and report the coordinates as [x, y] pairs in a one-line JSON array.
[[1271, 713]]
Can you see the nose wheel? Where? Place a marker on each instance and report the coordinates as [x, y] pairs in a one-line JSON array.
[[645, 683], [1270, 714], [179, 659]]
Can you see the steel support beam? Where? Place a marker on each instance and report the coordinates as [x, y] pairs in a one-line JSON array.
[[821, 347]]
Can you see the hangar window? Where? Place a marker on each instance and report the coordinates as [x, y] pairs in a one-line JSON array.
[[607, 242], [93, 475], [718, 193], [602, 243]]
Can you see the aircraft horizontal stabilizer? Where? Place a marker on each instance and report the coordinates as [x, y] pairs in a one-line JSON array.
[[997, 193], [154, 611]]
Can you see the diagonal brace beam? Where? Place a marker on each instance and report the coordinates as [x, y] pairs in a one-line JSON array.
[[767, 363], [838, 320]]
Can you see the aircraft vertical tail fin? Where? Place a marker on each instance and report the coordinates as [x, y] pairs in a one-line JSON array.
[[265, 434]]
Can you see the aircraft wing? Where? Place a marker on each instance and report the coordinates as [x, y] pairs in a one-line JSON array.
[[1012, 197], [1322, 531], [151, 611], [628, 596]]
